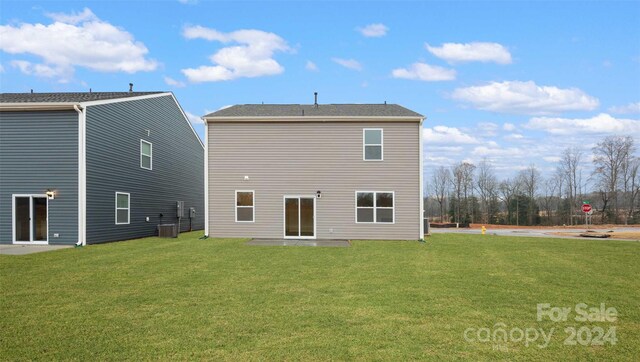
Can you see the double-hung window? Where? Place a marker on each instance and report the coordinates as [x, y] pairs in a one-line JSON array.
[[146, 155], [375, 207], [372, 144], [122, 208], [245, 206]]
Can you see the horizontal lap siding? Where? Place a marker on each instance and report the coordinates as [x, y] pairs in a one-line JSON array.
[[39, 151], [113, 164], [300, 159]]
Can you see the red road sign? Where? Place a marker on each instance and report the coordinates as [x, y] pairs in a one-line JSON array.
[[586, 208]]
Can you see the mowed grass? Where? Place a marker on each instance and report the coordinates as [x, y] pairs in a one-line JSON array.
[[220, 299]]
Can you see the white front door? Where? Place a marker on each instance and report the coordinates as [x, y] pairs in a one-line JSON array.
[[30, 219], [299, 217]]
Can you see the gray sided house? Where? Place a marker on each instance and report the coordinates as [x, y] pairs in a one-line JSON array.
[[96, 167], [343, 171]]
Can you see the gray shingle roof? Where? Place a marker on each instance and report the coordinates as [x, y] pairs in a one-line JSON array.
[[310, 110], [66, 97]]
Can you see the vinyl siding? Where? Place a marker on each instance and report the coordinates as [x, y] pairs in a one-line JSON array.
[[39, 151], [301, 158], [114, 132]]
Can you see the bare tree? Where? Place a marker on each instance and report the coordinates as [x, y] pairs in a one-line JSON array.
[[630, 187], [609, 157], [549, 196], [569, 168], [508, 190], [441, 187], [462, 182], [486, 184], [530, 179]]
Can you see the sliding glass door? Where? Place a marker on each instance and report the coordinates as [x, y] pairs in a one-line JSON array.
[[299, 217], [30, 216]]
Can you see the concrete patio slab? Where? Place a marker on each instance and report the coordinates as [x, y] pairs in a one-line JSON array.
[[29, 249], [302, 242]]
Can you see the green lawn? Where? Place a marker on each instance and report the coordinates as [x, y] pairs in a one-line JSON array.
[[220, 299]]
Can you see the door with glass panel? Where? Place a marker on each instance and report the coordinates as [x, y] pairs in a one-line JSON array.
[[299, 217], [30, 216]]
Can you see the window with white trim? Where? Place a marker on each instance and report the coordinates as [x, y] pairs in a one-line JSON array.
[[375, 207], [122, 208], [372, 144], [245, 206], [146, 149]]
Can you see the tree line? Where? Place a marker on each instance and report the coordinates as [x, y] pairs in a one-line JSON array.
[[468, 193]]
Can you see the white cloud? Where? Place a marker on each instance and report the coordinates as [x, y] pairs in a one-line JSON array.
[[374, 30], [252, 58], [447, 135], [514, 137], [600, 124], [424, 72], [193, 118], [525, 98], [626, 109], [311, 66], [348, 63], [552, 158], [75, 40], [471, 52], [74, 18], [1, 68], [188, 2], [43, 70], [174, 83], [509, 127], [487, 128], [484, 151]]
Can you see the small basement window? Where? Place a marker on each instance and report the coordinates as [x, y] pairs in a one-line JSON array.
[[122, 208], [372, 144], [146, 154], [375, 207], [245, 207]]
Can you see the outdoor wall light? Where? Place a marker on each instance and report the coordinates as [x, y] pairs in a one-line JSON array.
[[50, 194], [318, 194], [246, 178]]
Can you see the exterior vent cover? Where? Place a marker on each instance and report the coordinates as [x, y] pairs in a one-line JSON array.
[[167, 231]]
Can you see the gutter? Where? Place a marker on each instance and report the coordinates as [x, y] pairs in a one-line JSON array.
[[26, 106]]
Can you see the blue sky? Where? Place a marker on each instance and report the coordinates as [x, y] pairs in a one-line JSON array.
[[512, 82]]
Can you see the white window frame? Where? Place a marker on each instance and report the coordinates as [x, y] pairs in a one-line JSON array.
[[150, 155], [381, 144], [13, 219], [235, 209], [128, 208], [375, 207]]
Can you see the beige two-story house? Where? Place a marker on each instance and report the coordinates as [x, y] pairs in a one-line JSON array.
[[328, 171]]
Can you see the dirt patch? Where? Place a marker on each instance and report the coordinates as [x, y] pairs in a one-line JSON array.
[[626, 235], [538, 227]]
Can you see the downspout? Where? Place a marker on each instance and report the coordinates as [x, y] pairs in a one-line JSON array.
[[421, 179], [206, 178], [82, 175]]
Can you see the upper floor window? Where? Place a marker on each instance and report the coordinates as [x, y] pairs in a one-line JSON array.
[[372, 144], [245, 208], [146, 154]]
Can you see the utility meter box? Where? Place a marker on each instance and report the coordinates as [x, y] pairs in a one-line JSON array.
[[180, 208], [192, 212]]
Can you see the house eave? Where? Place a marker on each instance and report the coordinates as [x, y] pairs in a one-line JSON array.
[[307, 119], [44, 106]]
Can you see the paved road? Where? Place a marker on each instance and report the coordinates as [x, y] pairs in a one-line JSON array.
[[534, 232]]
